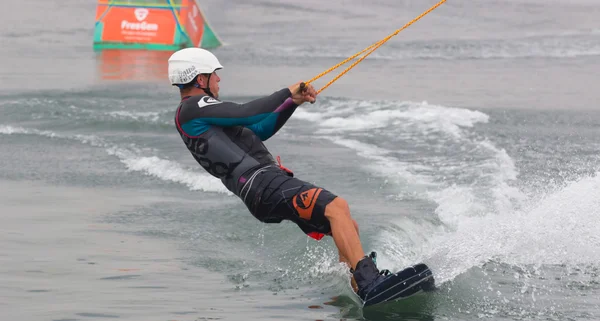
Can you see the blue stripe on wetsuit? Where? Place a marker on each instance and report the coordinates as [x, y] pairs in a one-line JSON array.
[[198, 126], [266, 127], [264, 116]]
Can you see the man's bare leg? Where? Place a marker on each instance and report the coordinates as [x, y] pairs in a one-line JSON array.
[[345, 260], [344, 232]]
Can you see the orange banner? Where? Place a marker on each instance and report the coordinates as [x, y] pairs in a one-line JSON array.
[[194, 24], [139, 25]]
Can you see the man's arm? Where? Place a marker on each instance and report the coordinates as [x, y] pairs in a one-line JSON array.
[[227, 114], [300, 93], [267, 127]]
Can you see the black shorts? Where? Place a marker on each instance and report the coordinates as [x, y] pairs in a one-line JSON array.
[[272, 196]]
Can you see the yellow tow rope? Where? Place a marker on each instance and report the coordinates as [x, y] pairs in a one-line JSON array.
[[372, 48]]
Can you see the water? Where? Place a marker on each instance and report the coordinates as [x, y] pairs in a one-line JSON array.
[[468, 141]]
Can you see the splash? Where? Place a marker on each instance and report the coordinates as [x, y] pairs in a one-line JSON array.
[[557, 229]]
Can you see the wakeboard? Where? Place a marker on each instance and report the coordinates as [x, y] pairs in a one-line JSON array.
[[401, 285]]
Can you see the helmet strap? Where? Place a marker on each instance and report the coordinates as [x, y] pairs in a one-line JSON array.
[[207, 89]]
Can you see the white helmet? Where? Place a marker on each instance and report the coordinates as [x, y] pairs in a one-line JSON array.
[[186, 64]]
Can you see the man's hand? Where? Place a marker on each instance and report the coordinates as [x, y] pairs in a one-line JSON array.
[[300, 96]]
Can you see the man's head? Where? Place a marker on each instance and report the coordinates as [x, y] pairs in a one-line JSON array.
[[194, 70]]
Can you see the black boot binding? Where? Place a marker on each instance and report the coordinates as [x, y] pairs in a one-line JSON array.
[[367, 276], [373, 256], [376, 287]]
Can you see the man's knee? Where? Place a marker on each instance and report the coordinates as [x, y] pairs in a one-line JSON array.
[[338, 208]]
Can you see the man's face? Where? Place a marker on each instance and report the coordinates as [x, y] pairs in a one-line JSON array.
[[213, 84]]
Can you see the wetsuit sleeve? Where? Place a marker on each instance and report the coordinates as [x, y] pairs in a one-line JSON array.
[[274, 121], [229, 114]]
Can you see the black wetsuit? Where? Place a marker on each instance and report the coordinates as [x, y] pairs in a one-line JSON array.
[[226, 139]]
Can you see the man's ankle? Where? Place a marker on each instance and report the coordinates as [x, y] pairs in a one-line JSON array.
[[366, 271]]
